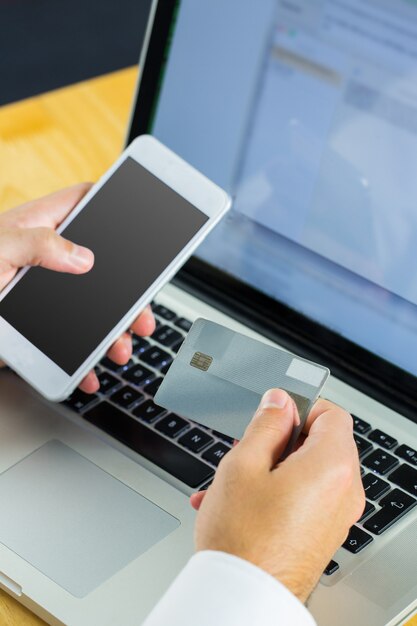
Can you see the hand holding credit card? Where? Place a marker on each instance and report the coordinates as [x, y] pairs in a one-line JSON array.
[[219, 377]]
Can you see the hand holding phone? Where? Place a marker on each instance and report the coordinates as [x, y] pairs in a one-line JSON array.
[[142, 220], [28, 237]]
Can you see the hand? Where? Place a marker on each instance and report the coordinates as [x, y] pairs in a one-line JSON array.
[[288, 518], [28, 237]]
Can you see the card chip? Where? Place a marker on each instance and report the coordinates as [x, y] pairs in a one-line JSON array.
[[201, 361]]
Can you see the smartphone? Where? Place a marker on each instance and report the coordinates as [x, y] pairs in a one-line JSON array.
[[143, 220]]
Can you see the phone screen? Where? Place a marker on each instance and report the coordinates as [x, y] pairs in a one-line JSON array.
[[135, 225]]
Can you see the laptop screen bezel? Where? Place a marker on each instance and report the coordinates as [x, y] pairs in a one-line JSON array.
[[348, 361]]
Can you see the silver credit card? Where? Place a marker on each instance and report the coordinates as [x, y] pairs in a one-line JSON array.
[[219, 377]]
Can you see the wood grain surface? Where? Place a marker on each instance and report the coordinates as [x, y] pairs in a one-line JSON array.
[[63, 137], [52, 141]]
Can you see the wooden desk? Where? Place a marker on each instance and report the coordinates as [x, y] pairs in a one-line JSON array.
[[63, 137], [51, 141]]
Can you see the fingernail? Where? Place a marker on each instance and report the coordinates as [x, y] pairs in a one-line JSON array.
[[81, 257], [274, 399]]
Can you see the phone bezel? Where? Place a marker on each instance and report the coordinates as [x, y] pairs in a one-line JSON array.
[[30, 362]]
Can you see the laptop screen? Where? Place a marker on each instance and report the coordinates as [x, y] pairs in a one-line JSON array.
[[306, 111]]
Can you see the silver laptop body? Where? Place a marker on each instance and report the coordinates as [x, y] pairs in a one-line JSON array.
[[96, 521]]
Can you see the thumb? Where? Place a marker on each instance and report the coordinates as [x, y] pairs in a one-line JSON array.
[[43, 247], [267, 435]]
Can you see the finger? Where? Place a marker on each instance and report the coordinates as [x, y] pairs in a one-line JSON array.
[[330, 437], [144, 325], [44, 247], [333, 423], [320, 407], [330, 456], [267, 435], [197, 498], [121, 350], [90, 383], [47, 212]]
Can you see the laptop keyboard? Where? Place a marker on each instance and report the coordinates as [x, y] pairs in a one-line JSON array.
[[390, 485], [124, 409]]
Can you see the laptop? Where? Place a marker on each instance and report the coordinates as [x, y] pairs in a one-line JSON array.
[[307, 113]]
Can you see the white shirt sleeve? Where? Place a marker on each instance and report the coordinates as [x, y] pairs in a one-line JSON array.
[[218, 588]]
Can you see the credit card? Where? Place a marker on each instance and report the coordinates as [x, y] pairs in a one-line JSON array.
[[219, 376]]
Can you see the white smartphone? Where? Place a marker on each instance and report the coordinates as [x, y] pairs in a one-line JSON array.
[[143, 220]]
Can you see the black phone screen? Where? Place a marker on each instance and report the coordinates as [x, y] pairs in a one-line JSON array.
[[135, 225]]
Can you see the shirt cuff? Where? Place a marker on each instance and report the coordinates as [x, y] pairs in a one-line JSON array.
[[219, 588]]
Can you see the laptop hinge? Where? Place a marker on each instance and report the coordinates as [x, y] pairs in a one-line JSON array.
[[10, 585]]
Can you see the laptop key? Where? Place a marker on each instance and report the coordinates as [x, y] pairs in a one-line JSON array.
[[171, 425], [148, 443], [110, 365], [153, 387], [382, 439], [363, 446], [165, 368], [406, 478], [115, 367], [223, 437], [126, 366], [138, 375], [357, 540], [360, 426], [331, 568], [139, 344], [374, 487], [155, 357], [407, 453], [216, 453], [148, 411], [195, 440], [394, 506], [167, 336], [206, 485], [369, 508], [177, 345], [183, 323], [107, 382], [80, 400], [397, 499], [164, 312], [126, 396], [380, 462]]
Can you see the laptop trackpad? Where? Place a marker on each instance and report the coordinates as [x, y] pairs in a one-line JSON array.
[[73, 521]]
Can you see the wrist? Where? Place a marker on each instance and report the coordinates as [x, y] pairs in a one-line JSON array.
[[290, 587], [299, 576], [301, 586]]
